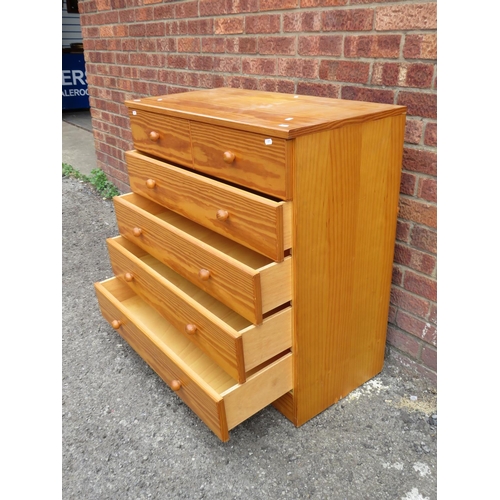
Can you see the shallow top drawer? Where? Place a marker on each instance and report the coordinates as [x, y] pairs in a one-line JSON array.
[[258, 162], [163, 136], [256, 222]]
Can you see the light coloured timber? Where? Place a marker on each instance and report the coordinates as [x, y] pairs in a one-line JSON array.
[[240, 401], [259, 161], [186, 247], [173, 142], [233, 342], [257, 222], [153, 347], [287, 224], [264, 112], [276, 281], [273, 336], [337, 163], [346, 193], [200, 382]]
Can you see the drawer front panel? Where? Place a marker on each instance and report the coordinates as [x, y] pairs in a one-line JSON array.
[[224, 278], [208, 407], [163, 136], [251, 160], [254, 221], [215, 338]]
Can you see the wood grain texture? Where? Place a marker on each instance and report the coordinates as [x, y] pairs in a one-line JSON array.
[[265, 112], [188, 248], [173, 141], [340, 163], [276, 284], [346, 193], [156, 352], [260, 390], [214, 337], [234, 343], [262, 342], [286, 405], [253, 221], [259, 163], [287, 224], [197, 380]]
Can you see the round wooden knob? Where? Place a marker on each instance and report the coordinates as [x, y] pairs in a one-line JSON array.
[[222, 214], [229, 157], [176, 385], [190, 329], [154, 136], [129, 277], [116, 323], [137, 231], [204, 274], [150, 183]]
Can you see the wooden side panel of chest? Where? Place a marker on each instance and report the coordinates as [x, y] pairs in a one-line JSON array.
[[345, 194]]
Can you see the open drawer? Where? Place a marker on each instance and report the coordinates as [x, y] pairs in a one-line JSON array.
[[246, 281], [208, 390], [232, 341], [257, 222]]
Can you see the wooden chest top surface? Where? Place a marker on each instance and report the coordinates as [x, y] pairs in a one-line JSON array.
[[272, 113]]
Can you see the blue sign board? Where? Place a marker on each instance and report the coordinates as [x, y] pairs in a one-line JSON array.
[[75, 94]]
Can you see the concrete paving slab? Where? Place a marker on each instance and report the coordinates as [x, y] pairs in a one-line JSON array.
[[80, 117], [78, 149]]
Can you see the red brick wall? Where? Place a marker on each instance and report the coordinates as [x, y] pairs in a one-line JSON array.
[[373, 50]]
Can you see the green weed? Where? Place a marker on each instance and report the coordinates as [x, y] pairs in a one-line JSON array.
[[97, 178], [69, 171]]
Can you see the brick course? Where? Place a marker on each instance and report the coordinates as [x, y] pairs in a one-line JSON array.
[[373, 50], [386, 46]]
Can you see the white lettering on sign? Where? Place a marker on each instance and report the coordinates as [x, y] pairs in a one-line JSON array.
[[78, 77], [66, 77], [75, 92], [73, 77]]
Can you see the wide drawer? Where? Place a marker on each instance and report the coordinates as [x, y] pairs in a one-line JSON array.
[[207, 389], [258, 162], [164, 136], [247, 282], [258, 223], [230, 340]]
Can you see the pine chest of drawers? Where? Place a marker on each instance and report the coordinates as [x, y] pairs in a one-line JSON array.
[[254, 260]]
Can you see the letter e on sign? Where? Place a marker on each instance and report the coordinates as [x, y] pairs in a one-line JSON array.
[[67, 77]]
